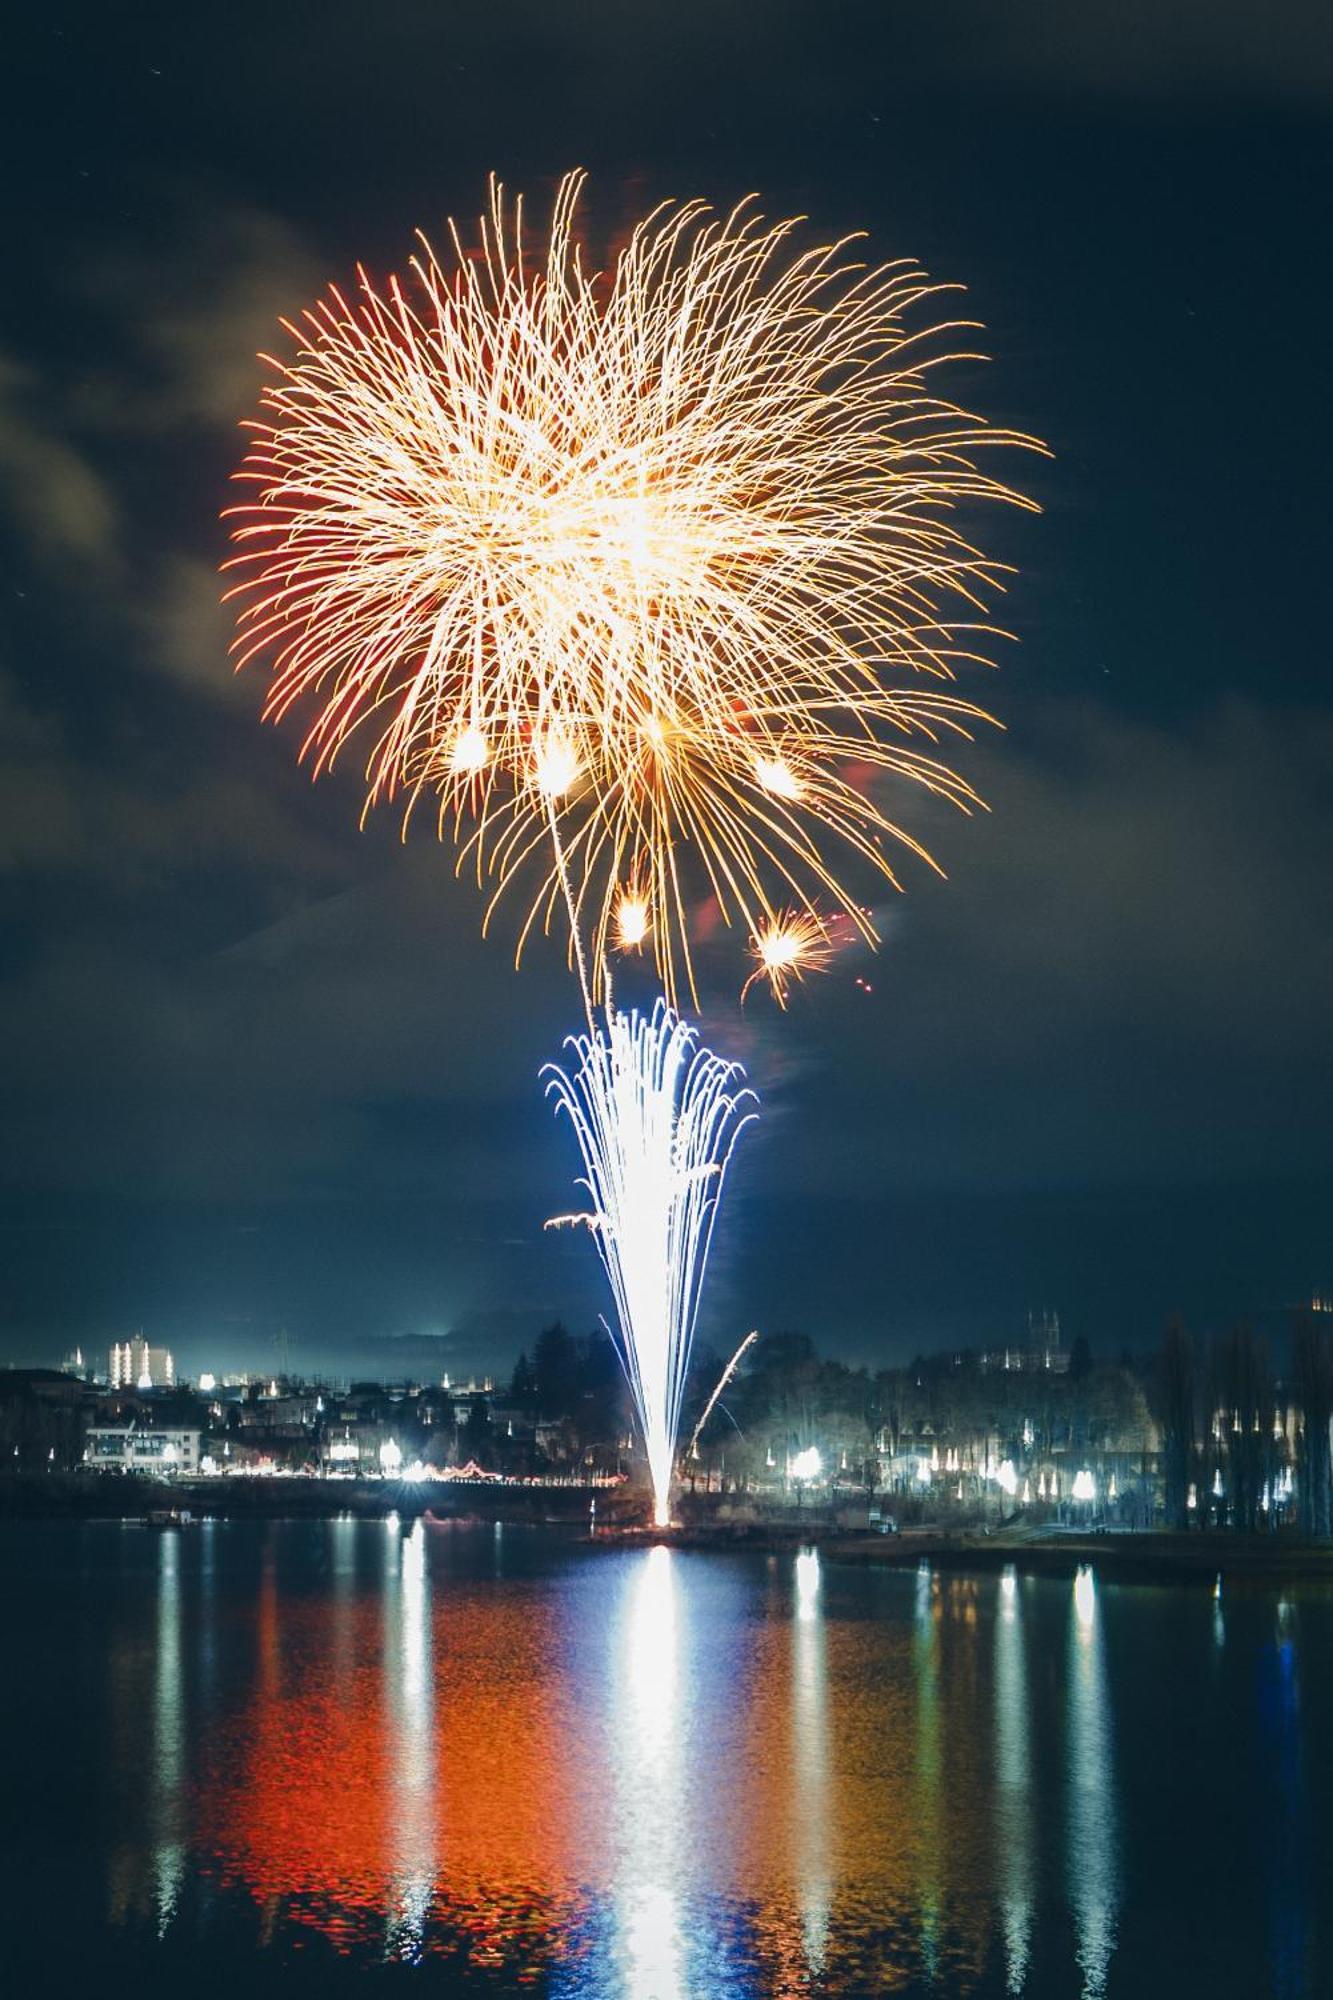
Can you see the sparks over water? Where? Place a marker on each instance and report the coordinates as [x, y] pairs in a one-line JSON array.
[[656, 1117]]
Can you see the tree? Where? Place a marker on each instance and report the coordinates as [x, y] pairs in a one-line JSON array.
[[1175, 1384], [600, 1407], [1244, 1405], [1313, 1373], [523, 1384], [474, 1437], [555, 1371]]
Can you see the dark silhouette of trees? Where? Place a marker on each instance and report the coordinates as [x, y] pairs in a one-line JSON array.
[[1244, 1403], [523, 1384], [474, 1436], [1175, 1397], [1312, 1370], [574, 1381], [554, 1370]]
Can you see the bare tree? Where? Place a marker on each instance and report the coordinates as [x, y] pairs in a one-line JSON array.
[[1313, 1372], [1176, 1382]]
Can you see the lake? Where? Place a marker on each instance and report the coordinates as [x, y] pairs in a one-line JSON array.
[[455, 1759]]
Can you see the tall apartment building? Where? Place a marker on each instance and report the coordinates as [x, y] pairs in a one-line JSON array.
[[136, 1365]]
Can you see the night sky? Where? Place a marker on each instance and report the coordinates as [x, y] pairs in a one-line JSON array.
[[259, 1070]]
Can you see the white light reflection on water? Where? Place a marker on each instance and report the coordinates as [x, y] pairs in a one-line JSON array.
[[650, 1807], [1281, 1712], [168, 1803], [1013, 1776], [208, 1612], [409, 1666], [811, 1731], [926, 1657], [1094, 1889], [342, 1646]]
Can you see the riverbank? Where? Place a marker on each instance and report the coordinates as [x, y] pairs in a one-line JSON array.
[[1150, 1556], [91, 1497]]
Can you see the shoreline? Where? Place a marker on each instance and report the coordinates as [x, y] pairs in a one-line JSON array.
[[125, 1497], [1152, 1556]]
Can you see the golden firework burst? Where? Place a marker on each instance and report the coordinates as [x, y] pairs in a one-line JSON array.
[[647, 576]]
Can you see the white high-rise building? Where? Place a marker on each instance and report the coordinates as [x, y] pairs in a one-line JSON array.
[[136, 1365]]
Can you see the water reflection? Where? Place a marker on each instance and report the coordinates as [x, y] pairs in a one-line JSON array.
[[1281, 1725], [650, 1807], [208, 1611], [409, 1670], [812, 1858], [342, 1616], [658, 1775], [149, 1853], [168, 1804], [1093, 1880], [1013, 1784], [929, 1763]]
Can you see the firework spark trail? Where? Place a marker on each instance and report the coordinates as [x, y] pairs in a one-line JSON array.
[[656, 1117], [669, 552], [718, 1387]]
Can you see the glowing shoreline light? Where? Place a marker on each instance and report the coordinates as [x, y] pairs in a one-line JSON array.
[[656, 1117], [648, 582]]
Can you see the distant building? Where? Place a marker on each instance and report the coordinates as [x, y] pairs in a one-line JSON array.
[[357, 1449], [41, 1419], [136, 1365], [166, 1453], [288, 1411], [1041, 1354]]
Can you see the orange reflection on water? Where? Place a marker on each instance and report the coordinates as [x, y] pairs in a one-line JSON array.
[[404, 1760]]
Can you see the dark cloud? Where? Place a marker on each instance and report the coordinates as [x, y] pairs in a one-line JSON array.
[[55, 499], [1140, 932], [190, 304]]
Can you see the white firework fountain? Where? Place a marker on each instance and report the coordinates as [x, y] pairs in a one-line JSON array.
[[657, 1118]]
